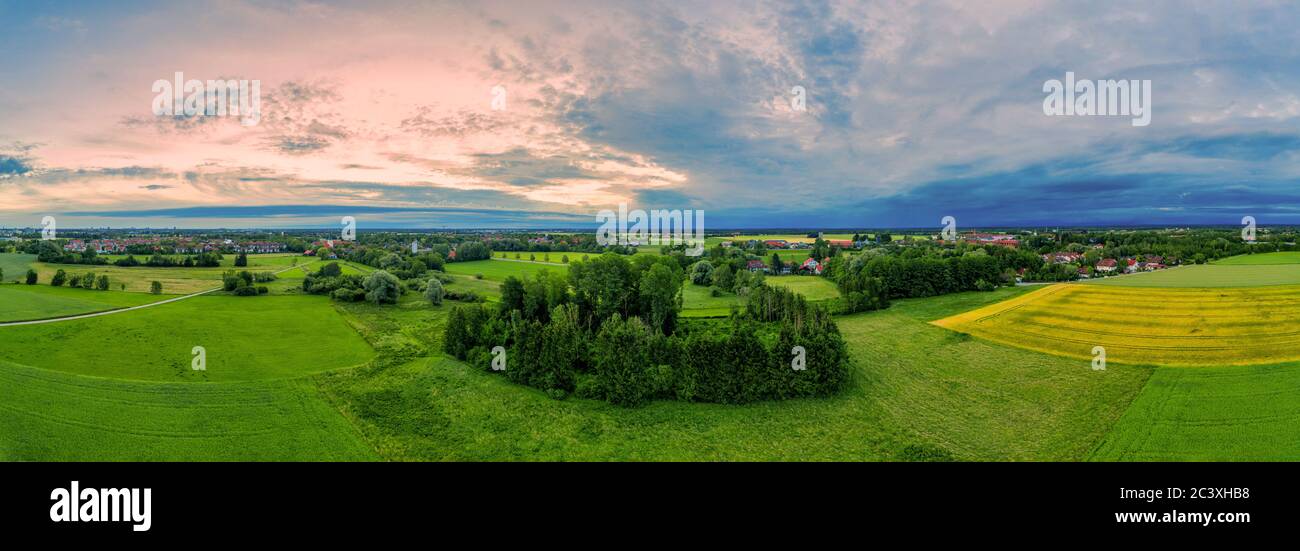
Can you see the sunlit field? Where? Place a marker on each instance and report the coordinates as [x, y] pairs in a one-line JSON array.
[[1165, 326]]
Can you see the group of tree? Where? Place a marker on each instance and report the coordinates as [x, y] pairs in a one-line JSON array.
[[610, 331], [243, 282], [877, 278], [88, 280]]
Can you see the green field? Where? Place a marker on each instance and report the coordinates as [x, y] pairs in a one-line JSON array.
[[498, 270], [1264, 258], [1195, 406], [15, 265], [246, 338], [813, 288], [981, 401], [1239, 274], [53, 416], [30, 302], [1242, 413]]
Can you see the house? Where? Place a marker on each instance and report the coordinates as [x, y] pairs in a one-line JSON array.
[[756, 266], [1131, 266], [841, 243], [1083, 272], [811, 265], [1062, 258], [776, 244], [1107, 265]]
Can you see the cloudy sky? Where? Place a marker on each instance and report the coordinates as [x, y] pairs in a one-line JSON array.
[[384, 111]]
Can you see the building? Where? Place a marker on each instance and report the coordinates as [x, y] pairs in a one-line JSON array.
[[1107, 265], [756, 266]]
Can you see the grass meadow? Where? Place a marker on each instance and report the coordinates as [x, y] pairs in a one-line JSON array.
[[982, 401], [31, 302], [15, 265], [499, 270], [246, 338]]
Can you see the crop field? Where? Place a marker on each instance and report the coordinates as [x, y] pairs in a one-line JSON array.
[[255, 261], [1166, 326], [1240, 274], [30, 302], [175, 281], [1238, 413], [1258, 259], [498, 270], [245, 338], [15, 265]]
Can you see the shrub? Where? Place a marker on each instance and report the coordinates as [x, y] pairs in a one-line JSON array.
[[245, 291], [31, 277], [88, 282], [101, 283], [381, 287], [155, 288], [433, 291], [348, 295], [262, 290], [702, 273], [59, 278]]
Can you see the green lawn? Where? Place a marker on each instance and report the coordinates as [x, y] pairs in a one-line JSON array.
[[30, 302], [15, 265], [1241, 413], [1264, 258], [498, 270], [53, 416], [246, 338], [1210, 275]]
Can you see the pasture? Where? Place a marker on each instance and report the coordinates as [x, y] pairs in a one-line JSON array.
[[1166, 326], [31, 302], [246, 338]]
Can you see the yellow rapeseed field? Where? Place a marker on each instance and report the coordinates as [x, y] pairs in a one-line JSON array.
[[1160, 326]]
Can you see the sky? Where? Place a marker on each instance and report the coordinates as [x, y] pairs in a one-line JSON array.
[[790, 114]]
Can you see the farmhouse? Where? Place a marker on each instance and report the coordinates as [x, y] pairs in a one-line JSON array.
[[1107, 265], [1063, 257], [841, 243], [811, 265], [776, 244], [756, 266]]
